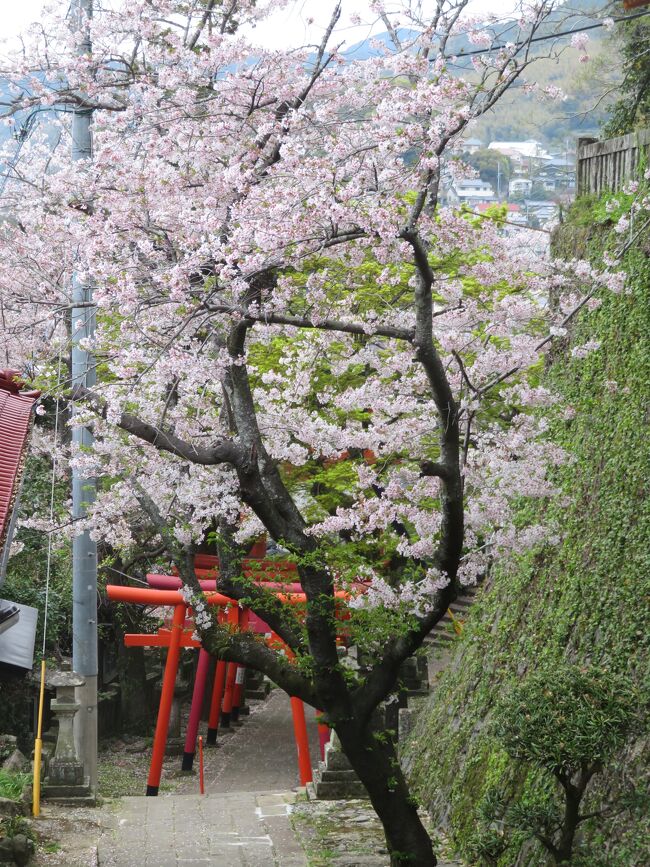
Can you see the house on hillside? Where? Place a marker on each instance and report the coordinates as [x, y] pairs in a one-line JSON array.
[[542, 210], [559, 173], [467, 145], [524, 155], [471, 145], [520, 187], [470, 191]]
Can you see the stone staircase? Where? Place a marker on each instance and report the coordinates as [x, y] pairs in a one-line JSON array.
[[334, 778], [448, 627]]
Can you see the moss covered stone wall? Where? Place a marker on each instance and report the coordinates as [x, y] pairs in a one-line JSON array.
[[586, 599]]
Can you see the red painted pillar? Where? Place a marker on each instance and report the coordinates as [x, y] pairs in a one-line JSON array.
[[323, 734], [226, 711], [195, 710], [302, 741], [166, 697], [217, 699]]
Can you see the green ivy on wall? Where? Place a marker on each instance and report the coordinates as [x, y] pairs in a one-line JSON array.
[[585, 600]]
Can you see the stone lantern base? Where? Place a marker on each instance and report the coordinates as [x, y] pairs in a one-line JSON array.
[[70, 796], [65, 782]]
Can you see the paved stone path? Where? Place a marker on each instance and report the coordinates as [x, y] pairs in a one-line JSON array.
[[243, 829], [258, 756], [243, 820], [244, 817]]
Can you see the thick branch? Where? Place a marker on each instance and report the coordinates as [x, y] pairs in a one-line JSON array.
[[264, 491], [204, 20], [320, 324], [452, 526], [224, 451], [381, 680], [278, 615], [244, 648], [433, 468], [261, 485]]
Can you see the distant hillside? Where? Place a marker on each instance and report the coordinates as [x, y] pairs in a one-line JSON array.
[[522, 115]]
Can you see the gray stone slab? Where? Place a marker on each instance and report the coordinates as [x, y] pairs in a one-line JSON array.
[[243, 821], [230, 830]]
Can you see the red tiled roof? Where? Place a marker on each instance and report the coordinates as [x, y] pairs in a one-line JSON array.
[[15, 423]]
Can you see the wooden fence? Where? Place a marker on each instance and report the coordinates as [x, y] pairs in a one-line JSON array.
[[607, 165]]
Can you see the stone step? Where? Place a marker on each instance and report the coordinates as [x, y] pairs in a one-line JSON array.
[[460, 610], [443, 631], [329, 776], [338, 791], [464, 600]]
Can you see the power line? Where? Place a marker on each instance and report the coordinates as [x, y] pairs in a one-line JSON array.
[[549, 36]]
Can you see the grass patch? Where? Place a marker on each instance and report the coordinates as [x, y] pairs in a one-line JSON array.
[[12, 784], [14, 825]]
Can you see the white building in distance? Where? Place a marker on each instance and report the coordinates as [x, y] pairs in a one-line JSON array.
[[520, 187], [470, 191], [518, 151]]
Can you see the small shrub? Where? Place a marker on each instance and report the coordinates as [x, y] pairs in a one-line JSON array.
[[15, 825], [569, 722]]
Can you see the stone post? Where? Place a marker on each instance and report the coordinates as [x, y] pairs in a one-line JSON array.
[[335, 779], [65, 780]]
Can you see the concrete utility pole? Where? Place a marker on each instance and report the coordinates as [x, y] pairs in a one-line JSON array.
[[84, 550]]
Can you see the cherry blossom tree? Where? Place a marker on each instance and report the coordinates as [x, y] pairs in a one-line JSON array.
[[293, 337]]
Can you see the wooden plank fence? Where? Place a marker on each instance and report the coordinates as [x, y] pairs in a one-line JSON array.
[[607, 165]]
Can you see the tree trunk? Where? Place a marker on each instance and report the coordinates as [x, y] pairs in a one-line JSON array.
[[573, 797], [372, 755], [134, 705]]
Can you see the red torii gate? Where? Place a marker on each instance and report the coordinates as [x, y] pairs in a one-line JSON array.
[[180, 635]]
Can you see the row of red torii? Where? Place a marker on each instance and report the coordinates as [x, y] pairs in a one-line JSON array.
[[228, 685]]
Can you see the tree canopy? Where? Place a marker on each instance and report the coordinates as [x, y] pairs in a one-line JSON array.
[[291, 336]]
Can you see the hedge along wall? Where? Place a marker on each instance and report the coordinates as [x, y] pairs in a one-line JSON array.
[[587, 599]]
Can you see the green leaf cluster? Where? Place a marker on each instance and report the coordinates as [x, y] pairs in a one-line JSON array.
[[565, 717]]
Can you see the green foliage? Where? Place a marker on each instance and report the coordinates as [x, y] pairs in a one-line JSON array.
[[492, 166], [12, 784], [587, 599], [486, 845], [565, 717], [632, 109], [27, 570], [323, 483], [568, 721]]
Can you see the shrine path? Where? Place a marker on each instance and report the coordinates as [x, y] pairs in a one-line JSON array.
[[243, 819]]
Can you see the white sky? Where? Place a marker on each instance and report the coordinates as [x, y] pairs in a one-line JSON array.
[[288, 27]]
